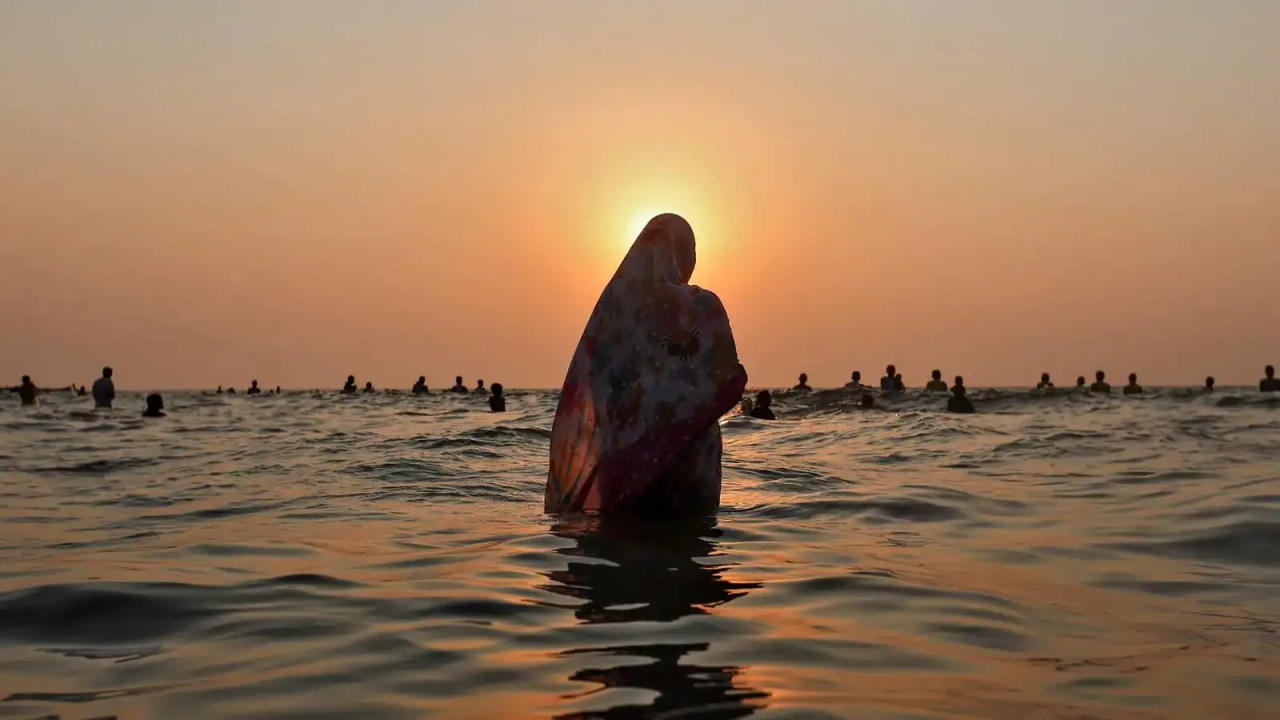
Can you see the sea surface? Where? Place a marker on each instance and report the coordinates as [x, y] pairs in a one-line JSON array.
[[312, 555]]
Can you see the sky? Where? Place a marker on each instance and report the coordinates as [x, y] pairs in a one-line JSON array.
[[203, 193]]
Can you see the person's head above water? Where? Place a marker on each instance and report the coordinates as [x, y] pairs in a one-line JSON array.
[[457, 380], [890, 370], [937, 374], [422, 379], [26, 379], [351, 379], [1044, 377], [496, 389], [1080, 381], [479, 384], [155, 404], [804, 378], [856, 376], [1133, 378], [1100, 375], [106, 372], [764, 399], [1208, 382], [1270, 370], [958, 388], [253, 383]]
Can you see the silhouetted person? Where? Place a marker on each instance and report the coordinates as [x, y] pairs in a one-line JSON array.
[[155, 406], [104, 390], [936, 384], [866, 402], [350, 387], [855, 380], [1100, 386], [958, 402], [803, 385], [277, 389], [219, 390], [888, 382], [368, 387], [479, 387], [231, 391], [1046, 384], [497, 403], [1080, 384], [458, 387], [27, 391], [1133, 388], [420, 387], [1269, 383], [80, 391], [1208, 384], [762, 411], [253, 388], [898, 384]]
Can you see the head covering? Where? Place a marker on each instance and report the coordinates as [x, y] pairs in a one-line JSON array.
[[655, 369]]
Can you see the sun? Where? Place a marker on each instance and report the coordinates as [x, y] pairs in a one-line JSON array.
[[638, 221]]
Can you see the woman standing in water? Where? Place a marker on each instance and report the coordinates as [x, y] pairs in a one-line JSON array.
[[636, 428]]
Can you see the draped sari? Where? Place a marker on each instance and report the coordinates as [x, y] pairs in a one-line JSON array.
[[637, 424]]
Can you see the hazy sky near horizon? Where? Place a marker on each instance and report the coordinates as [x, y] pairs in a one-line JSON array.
[[203, 193]]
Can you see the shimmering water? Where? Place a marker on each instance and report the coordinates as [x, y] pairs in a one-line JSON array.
[[385, 556]]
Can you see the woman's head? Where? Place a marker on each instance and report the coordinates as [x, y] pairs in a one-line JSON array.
[[670, 238]]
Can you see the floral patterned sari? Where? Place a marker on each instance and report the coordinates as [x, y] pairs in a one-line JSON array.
[[636, 428]]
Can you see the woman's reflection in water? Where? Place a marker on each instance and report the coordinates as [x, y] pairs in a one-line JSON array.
[[652, 574]]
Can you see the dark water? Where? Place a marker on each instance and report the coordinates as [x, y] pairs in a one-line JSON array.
[[315, 556]]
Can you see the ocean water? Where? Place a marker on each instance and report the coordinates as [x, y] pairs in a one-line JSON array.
[[312, 555]]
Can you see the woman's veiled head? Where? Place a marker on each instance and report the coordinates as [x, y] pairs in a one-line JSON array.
[[669, 240]]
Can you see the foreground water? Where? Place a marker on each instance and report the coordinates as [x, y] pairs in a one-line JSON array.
[[385, 556]]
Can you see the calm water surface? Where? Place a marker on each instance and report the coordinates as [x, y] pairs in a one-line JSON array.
[[385, 556]]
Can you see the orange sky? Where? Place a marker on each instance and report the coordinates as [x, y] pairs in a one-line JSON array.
[[201, 193]]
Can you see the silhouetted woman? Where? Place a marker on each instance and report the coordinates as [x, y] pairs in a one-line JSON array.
[[636, 428]]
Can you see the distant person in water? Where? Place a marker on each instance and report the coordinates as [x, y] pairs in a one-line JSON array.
[[277, 389], [368, 387], [1100, 385], [81, 391], [762, 409], [155, 406], [28, 393], [637, 426], [420, 387], [231, 391], [104, 389], [497, 402], [958, 402], [1133, 388], [479, 387], [1046, 384], [350, 387], [1080, 384], [855, 381], [253, 388], [866, 402], [889, 381], [1208, 384], [898, 384], [803, 385], [936, 384], [458, 387], [1269, 383], [219, 392]]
